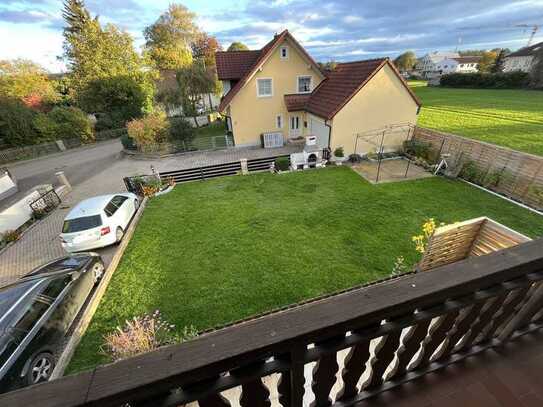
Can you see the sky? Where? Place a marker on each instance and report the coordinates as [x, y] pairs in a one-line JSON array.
[[340, 30]]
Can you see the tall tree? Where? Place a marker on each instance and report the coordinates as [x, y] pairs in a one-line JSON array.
[[168, 40], [406, 61], [499, 63], [238, 46], [204, 48], [194, 81], [487, 61]]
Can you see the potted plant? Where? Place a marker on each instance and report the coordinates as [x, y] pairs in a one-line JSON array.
[[339, 156]]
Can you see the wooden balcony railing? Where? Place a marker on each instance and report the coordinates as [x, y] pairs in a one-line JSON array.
[[382, 336]]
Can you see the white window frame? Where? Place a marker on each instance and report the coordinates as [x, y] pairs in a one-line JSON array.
[[258, 88], [298, 83], [279, 121], [285, 48]]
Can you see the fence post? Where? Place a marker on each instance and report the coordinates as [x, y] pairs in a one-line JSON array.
[[244, 168], [63, 180], [522, 318]]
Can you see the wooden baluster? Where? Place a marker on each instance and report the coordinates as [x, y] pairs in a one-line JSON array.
[[524, 314], [438, 333], [485, 316], [254, 394], [506, 312], [465, 320], [324, 374], [215, 400], [355, 365], [291, 383], [384, 353], [410, 346]]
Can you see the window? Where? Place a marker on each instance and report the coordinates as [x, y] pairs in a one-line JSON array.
[[284, 52], [304, 84], [264, 87], [294, 122], [79, 224], [279, 121], [114, 204]]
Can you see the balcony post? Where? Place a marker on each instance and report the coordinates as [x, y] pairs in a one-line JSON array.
[[532, 306]]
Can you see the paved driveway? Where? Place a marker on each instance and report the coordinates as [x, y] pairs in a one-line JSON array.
[[94, 171]]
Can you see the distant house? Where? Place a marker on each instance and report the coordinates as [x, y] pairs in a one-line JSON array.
[[522, 60], [467, 64], [428, 64], [280, 89]]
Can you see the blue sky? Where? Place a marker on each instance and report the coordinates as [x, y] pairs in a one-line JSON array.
[[336, 29]]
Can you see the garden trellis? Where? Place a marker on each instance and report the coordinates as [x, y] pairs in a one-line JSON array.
[[386, 140]]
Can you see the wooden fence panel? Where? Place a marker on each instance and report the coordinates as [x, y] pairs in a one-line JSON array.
[[514, 174]]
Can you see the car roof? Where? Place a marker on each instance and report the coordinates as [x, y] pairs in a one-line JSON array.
[[90, 206]]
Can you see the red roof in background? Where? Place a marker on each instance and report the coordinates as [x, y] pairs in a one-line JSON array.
[[467, 59], [233, 65], [296, 102]]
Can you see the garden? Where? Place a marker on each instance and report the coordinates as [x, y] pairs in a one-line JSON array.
[[510, 118], [213, 252]]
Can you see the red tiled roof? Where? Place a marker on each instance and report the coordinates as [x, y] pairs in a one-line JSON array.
[[343, 83], [233, 65], [296, 102], [264, 53]]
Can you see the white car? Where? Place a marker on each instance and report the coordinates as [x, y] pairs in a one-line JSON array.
[[97, 222]]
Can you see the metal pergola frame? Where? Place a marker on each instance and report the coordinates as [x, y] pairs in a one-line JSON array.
[[377, 138]]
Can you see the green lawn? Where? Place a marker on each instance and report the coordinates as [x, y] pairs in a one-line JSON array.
[[510, 118], [216, 251], [211, 136]]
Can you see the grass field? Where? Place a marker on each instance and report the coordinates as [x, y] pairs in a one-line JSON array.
[[510, 118], [213, 252]]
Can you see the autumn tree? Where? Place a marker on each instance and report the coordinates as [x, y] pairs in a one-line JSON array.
[[204, 48], [27, 81], [238, 46], [168, 40], [194, 80], [487, 61], [406, 61]]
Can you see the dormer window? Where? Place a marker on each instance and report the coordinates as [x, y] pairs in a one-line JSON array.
[[283, 51], [304, 84]]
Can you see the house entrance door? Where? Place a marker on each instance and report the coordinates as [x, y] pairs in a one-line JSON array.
[[294, 126]]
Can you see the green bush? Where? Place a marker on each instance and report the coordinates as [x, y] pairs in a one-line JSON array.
[[338, 152], [502, 80], [355, 158], [71, 122], [419, 149], [128, 142], [46, 127], [16, 123], [472, 172], [181, 130], [282, 163]]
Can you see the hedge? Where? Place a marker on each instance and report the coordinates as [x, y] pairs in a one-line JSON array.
[[505, 80]]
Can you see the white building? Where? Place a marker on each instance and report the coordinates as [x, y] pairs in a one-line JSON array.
[[468, 64], [427, 65], [522, 60]]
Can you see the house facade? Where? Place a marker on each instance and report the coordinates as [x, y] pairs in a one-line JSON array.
[[467, 64], [280, 89], [428, 64], [522, 60]]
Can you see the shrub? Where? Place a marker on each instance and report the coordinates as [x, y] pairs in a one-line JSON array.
[[282, 163], [471, 172], [338, 152], [71, 122], [46, 127], [418, 149], [502, 80], [151, 129], [128, 142], [11, 236], [181, 130], [143, 334], [16, 123]]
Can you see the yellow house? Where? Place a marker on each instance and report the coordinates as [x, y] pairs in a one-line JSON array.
[[280, 89]]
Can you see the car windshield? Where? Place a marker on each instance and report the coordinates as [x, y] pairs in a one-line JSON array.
[[79, 224], [72, 262]]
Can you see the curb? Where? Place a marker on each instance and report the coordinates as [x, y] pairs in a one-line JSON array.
[[84, 321]]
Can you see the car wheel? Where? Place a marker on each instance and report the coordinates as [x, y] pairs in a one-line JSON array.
[[97, 272], [40, 369], [119, 233]]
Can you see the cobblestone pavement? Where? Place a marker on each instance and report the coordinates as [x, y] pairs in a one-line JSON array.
[[40, 244]]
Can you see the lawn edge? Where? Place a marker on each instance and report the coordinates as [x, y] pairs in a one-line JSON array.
[[86, 317]]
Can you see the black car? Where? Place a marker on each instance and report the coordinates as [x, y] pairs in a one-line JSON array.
[[37, 311]]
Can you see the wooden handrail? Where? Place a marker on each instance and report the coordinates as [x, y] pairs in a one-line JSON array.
[[454, 293]]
